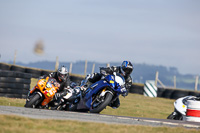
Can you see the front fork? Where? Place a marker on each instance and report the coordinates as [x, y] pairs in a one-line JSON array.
[[102, 94]]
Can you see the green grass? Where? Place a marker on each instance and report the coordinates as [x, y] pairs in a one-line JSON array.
[[12, 102], [140, 106], [16, 124], [133, 105]]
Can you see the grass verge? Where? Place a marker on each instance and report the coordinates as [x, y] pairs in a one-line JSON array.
[[133, 105], [16, 124]]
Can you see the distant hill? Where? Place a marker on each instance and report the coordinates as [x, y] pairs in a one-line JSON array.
[[141, 72]]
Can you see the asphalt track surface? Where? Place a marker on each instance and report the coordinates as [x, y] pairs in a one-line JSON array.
[[98, 118]]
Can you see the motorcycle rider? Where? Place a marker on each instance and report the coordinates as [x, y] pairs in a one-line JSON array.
[[62, 77], [125, 70]]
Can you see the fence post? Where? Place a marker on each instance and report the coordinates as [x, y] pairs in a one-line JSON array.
[[156, 79], [174, 81], [57, 64], [108, 65], [15, 57], [93, 68], [85, 71], [196, 83], [70, 68]]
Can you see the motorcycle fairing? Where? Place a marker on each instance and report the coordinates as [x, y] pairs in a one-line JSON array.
[[96, 87]]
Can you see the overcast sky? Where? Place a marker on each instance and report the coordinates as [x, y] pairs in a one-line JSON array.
[[155, 32]]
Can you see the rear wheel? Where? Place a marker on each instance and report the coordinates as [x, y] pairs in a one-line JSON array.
[[98, 106], [33, 101]]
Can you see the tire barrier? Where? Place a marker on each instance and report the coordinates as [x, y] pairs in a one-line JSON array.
[[17, 68], [46, 72], [14, 84], [193, 111], [194, 93], [22, 75], [35, 72], [178, 94], [138, 89], [4, 66], [160, 92], [150, 89], [167, 93]]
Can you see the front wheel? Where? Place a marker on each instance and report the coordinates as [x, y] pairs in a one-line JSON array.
[[171, 116], [175, 116], [33, 101], [98, 106]]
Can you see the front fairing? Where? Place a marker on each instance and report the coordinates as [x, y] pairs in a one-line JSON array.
[[179, 106], [111, 80], [108, 81], [46, 88], [94, 89]]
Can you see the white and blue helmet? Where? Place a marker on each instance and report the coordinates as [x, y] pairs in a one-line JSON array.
[[126, 68]]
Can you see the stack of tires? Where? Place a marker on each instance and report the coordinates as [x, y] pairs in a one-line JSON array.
[[14, 84], [33, 71], [137, 89], [36, 73]]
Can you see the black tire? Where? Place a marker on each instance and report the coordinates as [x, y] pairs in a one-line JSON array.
[[160, 92], [4, 73], [22, 75], [179, 93], [137, 89], [7, 85], [13, 91], [46, 72], [193, 93], [17, 68], [36, 73], [171, 116], [15, 85], [167, 93], [10, 95], [14, 80], [33, 101], [14, 74], [4, 66], [178, 116], [103, 105]]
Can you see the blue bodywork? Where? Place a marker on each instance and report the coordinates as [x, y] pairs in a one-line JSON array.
[[108, 81]]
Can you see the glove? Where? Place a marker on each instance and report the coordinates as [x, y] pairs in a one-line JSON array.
[[125, 94], [72, 85], [123, 90], [77, 90], [57, 96]]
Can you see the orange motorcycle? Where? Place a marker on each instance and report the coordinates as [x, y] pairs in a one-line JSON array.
[[42, 94]]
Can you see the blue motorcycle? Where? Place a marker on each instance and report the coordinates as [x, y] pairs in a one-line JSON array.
[[100, 94]]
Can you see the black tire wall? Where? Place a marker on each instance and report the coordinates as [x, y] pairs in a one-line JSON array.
[[14, 84], [165, 92]]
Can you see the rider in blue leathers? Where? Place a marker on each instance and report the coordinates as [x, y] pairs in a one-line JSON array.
[[125, 70]]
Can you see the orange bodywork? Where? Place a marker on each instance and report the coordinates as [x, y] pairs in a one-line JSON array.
[[47, 89]]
